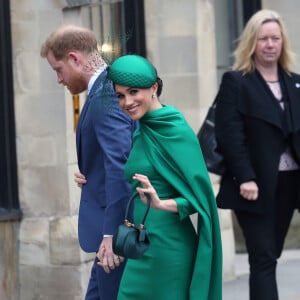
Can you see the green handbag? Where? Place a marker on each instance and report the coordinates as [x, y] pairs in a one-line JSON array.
[[130, 240]]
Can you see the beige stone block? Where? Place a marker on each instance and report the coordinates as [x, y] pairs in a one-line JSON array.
[[207, 53], [205, 16], [228, 253], [192, 117], [24, 30], [27, 71], [179, 20], [75, 191], [87, 257], [34, 242], [215, 179], [64, 245], [228, 243], [48, 81], [225, 216], [86, 272], [8, 261], [44, 191], [41, 151], [52, 282], [71, 148], [177, 54], [37, 150], [26, 6], [41, 114], [174, 92], [21, 10]]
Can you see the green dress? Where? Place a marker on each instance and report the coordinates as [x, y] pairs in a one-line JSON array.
[[179, 264]]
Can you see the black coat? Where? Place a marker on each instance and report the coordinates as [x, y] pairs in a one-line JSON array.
[[252, 136]]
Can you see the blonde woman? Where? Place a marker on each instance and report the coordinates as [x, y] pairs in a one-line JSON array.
[[258, 132]]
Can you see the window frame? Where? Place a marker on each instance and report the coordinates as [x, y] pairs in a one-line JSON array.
[[231, 17], [9, 198]]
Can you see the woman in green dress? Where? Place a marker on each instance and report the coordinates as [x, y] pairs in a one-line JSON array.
[[182, 263]]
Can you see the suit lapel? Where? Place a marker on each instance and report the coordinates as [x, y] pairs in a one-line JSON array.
[[79, 127], [257, 101], [96, 86]]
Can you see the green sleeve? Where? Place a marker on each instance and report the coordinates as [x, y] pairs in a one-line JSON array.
[[185, 208]]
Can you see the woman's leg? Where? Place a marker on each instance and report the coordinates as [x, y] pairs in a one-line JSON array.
[[261, 246], [265, 235], [287, 194]]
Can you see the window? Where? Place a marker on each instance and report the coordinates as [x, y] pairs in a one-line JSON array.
[[9, 202], [231, 16], [135, 23], [249, 8], [119, 25]]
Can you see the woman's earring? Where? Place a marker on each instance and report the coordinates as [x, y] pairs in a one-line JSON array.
[[153, 96]]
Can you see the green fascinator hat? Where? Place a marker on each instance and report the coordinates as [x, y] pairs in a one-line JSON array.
[[133, 71]]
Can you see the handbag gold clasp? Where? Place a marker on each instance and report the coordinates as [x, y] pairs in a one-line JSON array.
[[128, 224]]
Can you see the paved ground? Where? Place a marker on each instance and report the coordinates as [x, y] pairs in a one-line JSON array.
[[288, 278]]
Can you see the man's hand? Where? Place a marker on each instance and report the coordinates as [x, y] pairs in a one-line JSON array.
[[79, 179], [107, 259]]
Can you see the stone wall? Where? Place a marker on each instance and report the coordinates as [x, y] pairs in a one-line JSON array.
[[51, 264]]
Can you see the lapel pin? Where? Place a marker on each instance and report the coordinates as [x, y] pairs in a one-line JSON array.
[[297, 85]]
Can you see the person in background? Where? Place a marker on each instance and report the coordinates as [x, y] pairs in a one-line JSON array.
[[103, 140], [258, 133], [166, 162]]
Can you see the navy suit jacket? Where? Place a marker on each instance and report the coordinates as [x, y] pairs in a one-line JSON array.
[[251, 136], [103, 140]]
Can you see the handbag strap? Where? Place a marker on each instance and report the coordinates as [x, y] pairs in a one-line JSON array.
[[146, 212]]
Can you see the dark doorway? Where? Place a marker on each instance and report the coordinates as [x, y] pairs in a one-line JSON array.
[[135, 24], [9, 202]]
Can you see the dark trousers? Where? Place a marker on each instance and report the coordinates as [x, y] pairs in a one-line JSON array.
[[265, 235], [104, 286]]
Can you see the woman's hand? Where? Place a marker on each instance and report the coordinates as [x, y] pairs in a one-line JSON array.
[[249, 190], [166, 204], [149, 189]]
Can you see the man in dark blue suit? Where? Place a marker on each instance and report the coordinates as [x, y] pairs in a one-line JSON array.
[[103, 141]]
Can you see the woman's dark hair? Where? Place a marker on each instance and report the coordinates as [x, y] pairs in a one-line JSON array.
[[160, 86]]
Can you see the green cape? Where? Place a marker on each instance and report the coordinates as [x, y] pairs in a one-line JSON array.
[[173, 148]]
